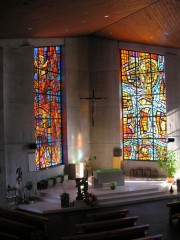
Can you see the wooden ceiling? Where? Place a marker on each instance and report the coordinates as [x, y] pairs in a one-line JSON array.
[[154, 22]]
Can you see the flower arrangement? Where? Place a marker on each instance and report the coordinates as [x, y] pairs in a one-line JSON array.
[[91, 199], [89, 166]]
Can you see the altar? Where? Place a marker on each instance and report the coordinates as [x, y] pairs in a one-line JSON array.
[[103, 176]]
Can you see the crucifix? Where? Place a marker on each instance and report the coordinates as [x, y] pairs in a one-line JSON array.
[[93, 100]]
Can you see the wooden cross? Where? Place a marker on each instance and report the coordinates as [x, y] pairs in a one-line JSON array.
[[93, 100]]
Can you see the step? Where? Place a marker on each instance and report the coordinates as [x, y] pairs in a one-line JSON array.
[[116, 192], [124, 198], [136, 199]]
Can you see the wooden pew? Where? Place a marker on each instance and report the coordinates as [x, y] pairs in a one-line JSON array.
[[124, 233], [107, 215], [20, 230], [152, 237], [27, 218], [177, 216], [7, 236], [106, 225], [174, 210]]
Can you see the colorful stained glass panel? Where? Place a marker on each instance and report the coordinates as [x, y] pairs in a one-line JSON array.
[[143, 105], [47, 106]]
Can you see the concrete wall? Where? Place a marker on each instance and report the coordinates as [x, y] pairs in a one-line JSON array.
[[104, 79], [2, 150], [18, 108], [77, 86]]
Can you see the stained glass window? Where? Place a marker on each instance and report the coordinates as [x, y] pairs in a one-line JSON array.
[[47, 106], [143, 105]]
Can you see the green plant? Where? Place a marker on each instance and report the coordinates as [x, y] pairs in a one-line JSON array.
[[167, 161], [113, 185]]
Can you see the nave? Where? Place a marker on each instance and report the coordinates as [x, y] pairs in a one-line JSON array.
[[151, 210]]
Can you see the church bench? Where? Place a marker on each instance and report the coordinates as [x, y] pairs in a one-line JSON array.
[[177, 216], [123, 233], [152, 237], [174, 210], [20, 230], [64, 177], [43, 184], [36, 221], [52, 181], [8, 236], [107, 215], [106, 225]]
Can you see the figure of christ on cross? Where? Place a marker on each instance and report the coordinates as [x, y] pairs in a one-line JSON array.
[[93, 100]]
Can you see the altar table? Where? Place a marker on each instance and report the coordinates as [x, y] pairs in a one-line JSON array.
[[103, 176]]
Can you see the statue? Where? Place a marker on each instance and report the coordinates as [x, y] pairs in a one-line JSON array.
[[19, 185], [19, 175]]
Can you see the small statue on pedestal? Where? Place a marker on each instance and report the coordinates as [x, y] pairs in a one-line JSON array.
[[19, 185]]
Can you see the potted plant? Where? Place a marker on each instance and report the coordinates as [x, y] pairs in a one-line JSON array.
[[167, 161], [113, 185]]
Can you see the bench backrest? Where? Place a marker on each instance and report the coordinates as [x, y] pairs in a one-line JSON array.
[[106, 225], [152, 237], [31, 219], [124, 233], [8, 236], [174, 207], [23, 231], [107, 215]]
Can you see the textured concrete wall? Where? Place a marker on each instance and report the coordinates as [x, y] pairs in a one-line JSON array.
[[2, 150], [104, 79], [77, 86], [18, 109]]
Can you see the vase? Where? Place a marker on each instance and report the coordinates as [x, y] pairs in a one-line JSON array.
[[112, 187], [170, 179]]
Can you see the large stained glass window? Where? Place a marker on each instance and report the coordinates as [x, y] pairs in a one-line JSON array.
[[47, 106], [143, 105]]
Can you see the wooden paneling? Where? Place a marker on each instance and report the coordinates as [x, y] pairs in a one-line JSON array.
[[142, 21]]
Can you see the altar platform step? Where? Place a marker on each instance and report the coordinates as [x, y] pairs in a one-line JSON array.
[[106, 196], [110, 197], [49, 200], [54, 198], [132, 196]]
